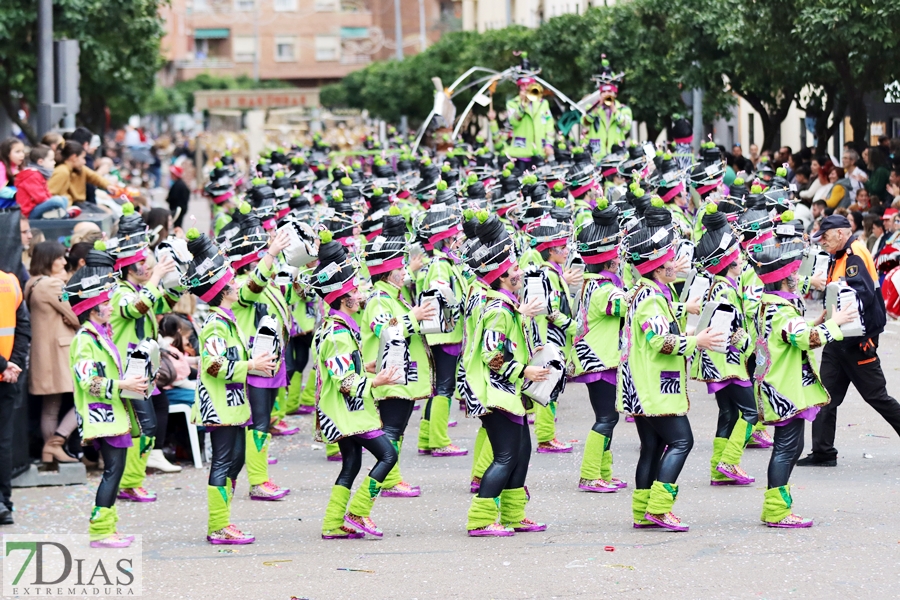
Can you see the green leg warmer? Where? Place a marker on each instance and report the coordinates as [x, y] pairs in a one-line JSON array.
[[103, 523], [308, 395], [257, 456], [718, 446], [482, 512], [484, 458], [544, 422], [332, 449], [662, 497], [440, 416], [364, 498], [394, 477], [606, 467], [292, 398], [639, 499], [136, 462], [337, 508], [425, 429], [279, 411], [777, 504], [512, 506], [737, 441], [592, 460], [480, 438], [218, 502]]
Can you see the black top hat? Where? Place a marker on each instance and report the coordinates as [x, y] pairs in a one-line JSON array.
[[92, 284]]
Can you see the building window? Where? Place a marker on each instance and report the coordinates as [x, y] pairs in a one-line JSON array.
[[328, 48], [244, 49], [244, 5], [327, 5], [285, 48], [285, 5]]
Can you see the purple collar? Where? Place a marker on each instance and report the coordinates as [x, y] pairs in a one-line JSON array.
[[509, 295], [557, 266], [347, 319], [785, 295], [228, 313], [612, 277], [663, 289]]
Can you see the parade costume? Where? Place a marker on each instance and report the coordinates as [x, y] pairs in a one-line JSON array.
[[788, 386], [345, 407], [531, 121], [652, 376], [726, 375], [220, 190], [495, 364], [135, 308], [105, 420], [608, 123], [386, 308], [594, 359], [259, 298]]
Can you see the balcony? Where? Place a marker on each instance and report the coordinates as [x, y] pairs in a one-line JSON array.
[[204, 63]]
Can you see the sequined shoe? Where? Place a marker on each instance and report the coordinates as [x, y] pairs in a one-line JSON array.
[[527, 525], [272, 460], [137, 494], [452, 423], [792, 521], [554, 446], [304, 410], [402, 490], [230, 535], [667, 521], [618, 483], [492, 530], [629, 419], [449, 450], [364, 524], [282, 428], [343, 533], [645, 526], [735, 473], [268, 491], [335, 457], [425, 451], [113, 541], [760, 439], [475, 485], [597, 485]]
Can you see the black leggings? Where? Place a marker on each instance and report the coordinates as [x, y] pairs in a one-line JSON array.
[[734, 402], [351, 461], [603, 401], [161, 408], [262, 401], [444, 372], [297, 355], [511, 443], [145, 413], [788, 448], [655, 434], [228, 446], [113, 468], [395, 414]]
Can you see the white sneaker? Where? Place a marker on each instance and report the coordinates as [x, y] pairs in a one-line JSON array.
[[158, 461]]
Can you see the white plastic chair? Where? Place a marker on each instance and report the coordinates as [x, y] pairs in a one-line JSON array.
[[192, 432]]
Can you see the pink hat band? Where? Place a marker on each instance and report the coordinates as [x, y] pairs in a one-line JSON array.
[[781, 273], [652, 265], [83, 307], [388, 265], [223, 281]]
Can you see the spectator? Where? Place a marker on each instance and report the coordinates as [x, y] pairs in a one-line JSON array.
[[49, 375], [70, 178], [89, 142], [879, 175], [856, 176], [856, 223], [179, 194], [12, 155], [754, 154], [802, 175], [783, 157], [32, 194], [873, 241], [84, 230], [884, 144], [889, 224], [26, 236], [15, 336], [893, 186], [818, 178], [863, 201], [77, 255], [52, 140], [161, 218]]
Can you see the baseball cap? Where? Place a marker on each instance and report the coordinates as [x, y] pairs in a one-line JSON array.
[[831, 222]]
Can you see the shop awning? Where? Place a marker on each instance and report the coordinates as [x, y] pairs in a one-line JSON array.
[[211, 34]]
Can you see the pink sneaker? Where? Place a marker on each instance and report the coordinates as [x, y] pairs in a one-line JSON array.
[[597, 485], [272, 460], [475, 485], [282, 428], [735, 473], [452, 423], [450, 450], [554, 446], [343, 533], [792, 521], [113, 541], [335, 457], [492, 530], [527, 525], [137, 494], [364, 524], [760, 439], [667, 521], [304, 410], [402, 490], [230, 535], [618, 483], [425, 451], [629, 419], [268, 491]]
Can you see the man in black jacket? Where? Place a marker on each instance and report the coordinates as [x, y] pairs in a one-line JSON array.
[[854, 359]]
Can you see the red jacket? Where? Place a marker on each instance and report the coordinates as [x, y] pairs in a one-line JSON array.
[[31, 190]]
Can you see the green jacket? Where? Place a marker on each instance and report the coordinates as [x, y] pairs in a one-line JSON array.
[[97, 370], [787, 378], [496, 358], [750, 290], [134, 313], [304, 308], [532, 127], [603, 130], [344, 402], [221, 393], [597, 345], [652, 373], [562, 330], [257, 298], [385, 307], [443, 269], [711, 366]]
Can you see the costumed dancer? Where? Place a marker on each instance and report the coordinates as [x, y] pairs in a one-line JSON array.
[[652, 376], [136, 302], [594, 359], [718, 253], [387, 309], [496, 365], [221, 404], [254, 267], [788, 386], [105, 419], [345, 407], [608, 121], [220, 190], [530, 118]]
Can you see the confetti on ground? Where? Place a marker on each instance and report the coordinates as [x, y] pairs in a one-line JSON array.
[[355, 570], [629, 567], [228, 551], [609, 548], [273, 563]]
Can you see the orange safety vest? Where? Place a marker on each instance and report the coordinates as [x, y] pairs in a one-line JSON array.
[[10, 300], [857, 248]]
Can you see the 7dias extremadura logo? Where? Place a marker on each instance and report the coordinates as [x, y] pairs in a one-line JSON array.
[[66, 565]]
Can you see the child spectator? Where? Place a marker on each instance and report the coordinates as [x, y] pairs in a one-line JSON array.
[[32, 194], [12, 155]]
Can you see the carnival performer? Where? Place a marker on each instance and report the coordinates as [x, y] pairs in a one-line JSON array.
[[608, 121], [788, 386], [594, 359], [531, 121], [105, 420], [652, 376]]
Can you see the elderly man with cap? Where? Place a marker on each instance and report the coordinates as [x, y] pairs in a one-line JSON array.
[[855, 359]]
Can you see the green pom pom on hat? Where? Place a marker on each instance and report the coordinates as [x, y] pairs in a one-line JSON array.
[[377, 192], [325, 236], [602, 203], [781, 172], [756, 189], [245, 208], [560, 203], [638, 192], [346, 181], [482, 215], [127, 209], [657, 202], [258, 181], [711, 208], [472, 178], [738, 181], [337, 196], [506, 173], [442, 185], [394, 211], [558, 186], [279, 174], [101, 245], [787, 216], [468, 214], [193, 234], [445, 168]]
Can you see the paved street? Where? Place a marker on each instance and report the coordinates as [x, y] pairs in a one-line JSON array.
[[852, 551]]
